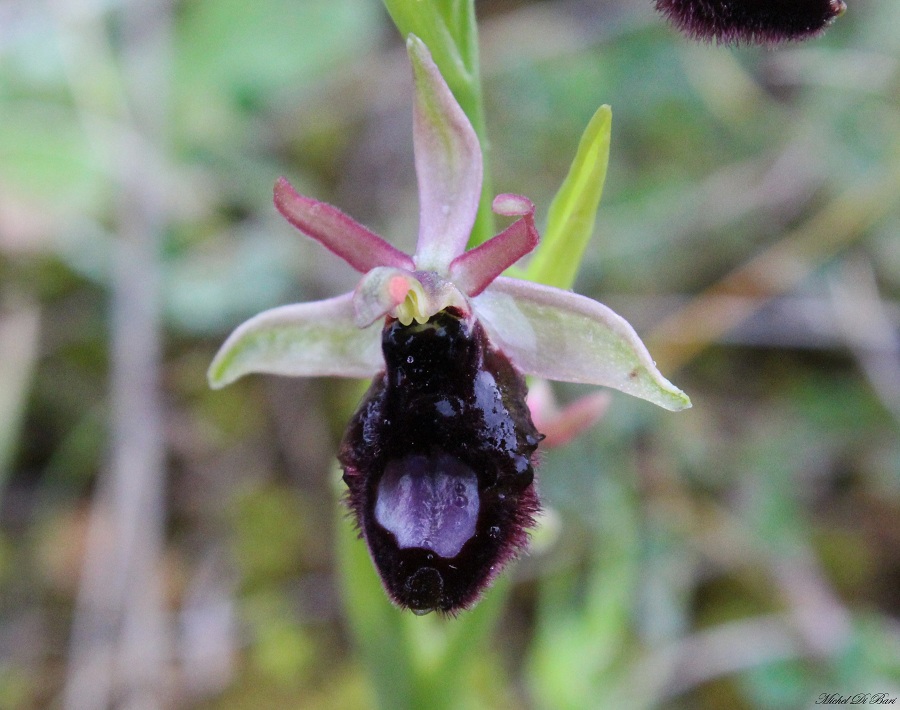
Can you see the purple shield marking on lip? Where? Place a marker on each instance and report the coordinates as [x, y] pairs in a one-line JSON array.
[[429, 502]]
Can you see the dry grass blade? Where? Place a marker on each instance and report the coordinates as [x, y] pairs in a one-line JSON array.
[[776, 270]]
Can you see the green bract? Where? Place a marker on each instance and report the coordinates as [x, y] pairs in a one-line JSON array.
[[570, 222]]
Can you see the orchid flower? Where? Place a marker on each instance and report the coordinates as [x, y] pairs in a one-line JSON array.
[[438, 458], [758, 22]]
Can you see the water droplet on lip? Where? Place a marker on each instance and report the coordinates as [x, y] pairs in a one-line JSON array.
[[494, 531], [410, 359]]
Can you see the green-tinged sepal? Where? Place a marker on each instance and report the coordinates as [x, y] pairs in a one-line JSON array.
[[315, 339], [559, 335], [448, 164]]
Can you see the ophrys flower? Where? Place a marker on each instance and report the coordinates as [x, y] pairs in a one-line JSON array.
[[438, 458]]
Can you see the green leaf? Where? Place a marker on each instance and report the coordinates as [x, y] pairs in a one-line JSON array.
[[570, 222]]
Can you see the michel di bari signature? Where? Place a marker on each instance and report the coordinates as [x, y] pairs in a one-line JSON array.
[[858, 699]]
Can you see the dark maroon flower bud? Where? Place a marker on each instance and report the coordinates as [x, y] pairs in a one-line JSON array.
[[437, 460], [751, 21]]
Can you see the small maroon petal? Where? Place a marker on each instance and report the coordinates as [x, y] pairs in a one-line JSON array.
[[362, 249], [473, 271], [561, 425], [751, 21]]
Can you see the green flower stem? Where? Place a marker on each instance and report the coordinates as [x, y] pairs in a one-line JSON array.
[[449, 29]]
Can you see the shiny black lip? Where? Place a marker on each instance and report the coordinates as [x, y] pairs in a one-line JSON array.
[[445, 392], [500, 534]]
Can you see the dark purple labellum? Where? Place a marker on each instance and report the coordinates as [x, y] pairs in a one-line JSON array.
[[751, 21], [437, 460]]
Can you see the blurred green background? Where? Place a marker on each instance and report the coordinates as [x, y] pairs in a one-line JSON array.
[[742, 554]]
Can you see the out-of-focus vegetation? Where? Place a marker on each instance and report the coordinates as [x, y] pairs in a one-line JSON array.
[[743, 554]]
